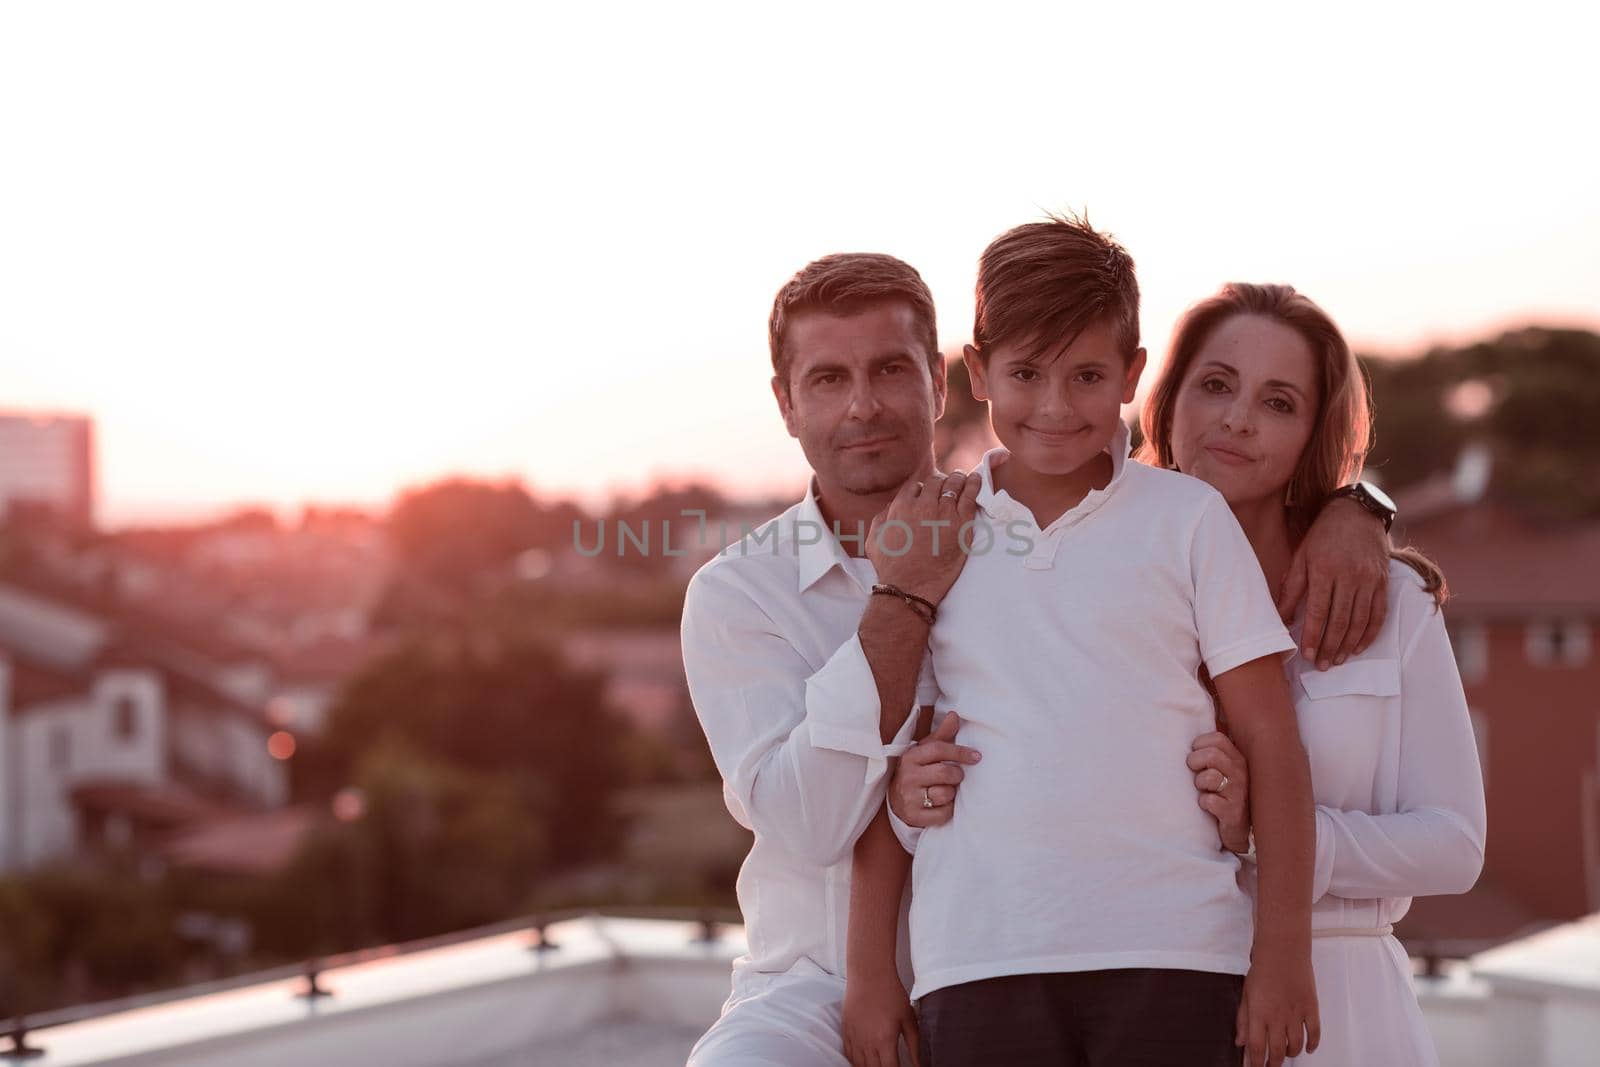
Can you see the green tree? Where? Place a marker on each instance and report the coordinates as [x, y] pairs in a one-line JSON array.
[[1531, 396], [436, 848], [454, 542], [70, 934], [496, 703], [455, 530], [653, 519]]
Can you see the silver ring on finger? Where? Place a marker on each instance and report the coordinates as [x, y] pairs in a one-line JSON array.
[[927, 800], [1224, 784], [948, 494]]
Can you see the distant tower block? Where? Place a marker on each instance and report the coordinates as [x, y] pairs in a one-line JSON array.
[[48, 461]]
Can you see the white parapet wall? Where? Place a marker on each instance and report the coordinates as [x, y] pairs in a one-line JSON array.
[[481, 1001], [495, 1000], [1530, 1003]]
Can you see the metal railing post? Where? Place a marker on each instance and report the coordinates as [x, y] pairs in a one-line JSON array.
[[18, 1036]]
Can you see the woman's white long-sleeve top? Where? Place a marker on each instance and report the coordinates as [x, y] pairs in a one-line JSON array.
[[1400, 814], [1394, 768]]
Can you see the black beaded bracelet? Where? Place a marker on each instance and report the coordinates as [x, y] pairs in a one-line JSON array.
[[923, 608]]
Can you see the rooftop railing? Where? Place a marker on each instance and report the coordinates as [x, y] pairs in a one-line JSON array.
[[698, 931]]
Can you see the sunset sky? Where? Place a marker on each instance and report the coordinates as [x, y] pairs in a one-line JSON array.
[[314, 252]]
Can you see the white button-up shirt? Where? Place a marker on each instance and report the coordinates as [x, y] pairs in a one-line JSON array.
[[791, 712]]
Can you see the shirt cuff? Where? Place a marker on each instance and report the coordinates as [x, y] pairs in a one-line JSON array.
[[842, 708], [1322, 871], [927, 685], [909, 835]]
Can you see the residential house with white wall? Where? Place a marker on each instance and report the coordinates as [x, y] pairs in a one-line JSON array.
[[111, 739]]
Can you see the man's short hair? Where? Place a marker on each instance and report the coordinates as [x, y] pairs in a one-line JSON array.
[[1043, 283], [844, 284]]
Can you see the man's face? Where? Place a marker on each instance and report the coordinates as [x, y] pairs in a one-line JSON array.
[[860, 398], [1056, 413]]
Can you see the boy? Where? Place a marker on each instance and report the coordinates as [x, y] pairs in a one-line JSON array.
[[1077, 909]]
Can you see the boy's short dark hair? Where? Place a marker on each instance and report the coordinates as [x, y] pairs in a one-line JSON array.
[[844, 284], [1043, 283]]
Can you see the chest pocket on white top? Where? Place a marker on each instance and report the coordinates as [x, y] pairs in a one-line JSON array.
[[1363, 677], [1343, 725]]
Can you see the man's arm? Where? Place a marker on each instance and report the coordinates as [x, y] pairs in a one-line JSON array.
[[894, 634], [798, 749], [1280, 1005], [803, 753], [894, 640], [1341, 571]]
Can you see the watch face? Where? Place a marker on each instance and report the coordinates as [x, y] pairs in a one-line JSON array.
[[1379, 496]]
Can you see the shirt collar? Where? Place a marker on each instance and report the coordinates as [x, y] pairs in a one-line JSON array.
[[999, 504], [817, 550]]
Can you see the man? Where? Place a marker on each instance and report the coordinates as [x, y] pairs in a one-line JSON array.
[[804, 681]]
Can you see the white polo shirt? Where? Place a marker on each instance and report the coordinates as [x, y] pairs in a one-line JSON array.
[[790, 709], [1071, 654]]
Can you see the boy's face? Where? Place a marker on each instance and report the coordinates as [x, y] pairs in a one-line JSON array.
[[1058, 412], [860, 397]]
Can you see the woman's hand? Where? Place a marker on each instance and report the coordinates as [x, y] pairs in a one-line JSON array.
[[1223, 780], [923, 790], [877, 1014]]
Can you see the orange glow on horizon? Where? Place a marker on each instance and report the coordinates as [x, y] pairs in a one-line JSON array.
[[364, 279]]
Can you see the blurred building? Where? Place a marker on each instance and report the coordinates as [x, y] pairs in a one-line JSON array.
[[643, 669], [1525, 599], [47, 461], [114, 738], [1526, 596]]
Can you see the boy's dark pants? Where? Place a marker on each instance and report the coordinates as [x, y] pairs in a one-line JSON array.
[[1137, 1017]]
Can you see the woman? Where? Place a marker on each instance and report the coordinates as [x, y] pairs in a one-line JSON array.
[[1262, 398]]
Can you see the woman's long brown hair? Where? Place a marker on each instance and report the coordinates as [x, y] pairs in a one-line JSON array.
[[1342, 433]]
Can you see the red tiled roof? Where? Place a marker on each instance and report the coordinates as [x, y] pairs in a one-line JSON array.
[[167, 805], [189, 673], [254, 844], [1500, 563], [34, 684], [329, 659], [185, 675]]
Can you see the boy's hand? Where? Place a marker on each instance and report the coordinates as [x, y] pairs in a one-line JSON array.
[[1341, 571], [932, 764], [1278, 1013], [1223, 780], [877, 1014], [916, 542]]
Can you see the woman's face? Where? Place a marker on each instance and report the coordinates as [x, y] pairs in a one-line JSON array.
[[1245, 409]]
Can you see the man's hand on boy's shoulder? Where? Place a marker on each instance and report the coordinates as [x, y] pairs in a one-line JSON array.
[[916, 544], [1341, 571]]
